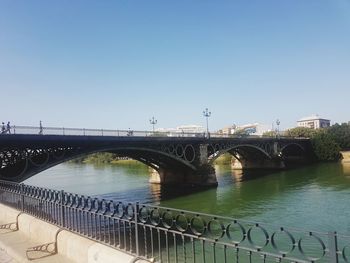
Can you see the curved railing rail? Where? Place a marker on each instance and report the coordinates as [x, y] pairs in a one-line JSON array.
[[119, 133], [175, 235]]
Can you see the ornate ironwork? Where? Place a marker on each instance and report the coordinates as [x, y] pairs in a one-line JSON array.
[[173, 235]]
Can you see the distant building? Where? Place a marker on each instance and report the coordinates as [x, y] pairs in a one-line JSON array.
[[314, 122], [182, 129], [251, 129]]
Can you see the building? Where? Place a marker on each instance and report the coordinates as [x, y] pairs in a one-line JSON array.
[[184, 129], [251, 129], [313, 122]]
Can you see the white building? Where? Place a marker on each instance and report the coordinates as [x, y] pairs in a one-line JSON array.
[[313, 122], [182, 130], [252, 129]]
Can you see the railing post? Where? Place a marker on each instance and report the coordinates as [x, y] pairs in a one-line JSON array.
[[333, 247], [84, 131], [63, 131], [137, 228], [21, 190], [14, 129], [102, 132], [62, 219]]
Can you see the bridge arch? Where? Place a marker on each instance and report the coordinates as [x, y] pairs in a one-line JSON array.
[[292, 146], [25, 163], [240, 152]]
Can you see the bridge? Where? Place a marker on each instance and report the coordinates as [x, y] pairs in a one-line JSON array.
[[183, 158]]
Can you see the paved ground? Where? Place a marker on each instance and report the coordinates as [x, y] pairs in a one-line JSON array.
[[4, 258]]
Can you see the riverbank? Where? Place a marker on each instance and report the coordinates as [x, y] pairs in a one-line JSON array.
[[346, 156]]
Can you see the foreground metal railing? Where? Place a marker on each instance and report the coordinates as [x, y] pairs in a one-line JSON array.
[[118, 133], [172, 235]]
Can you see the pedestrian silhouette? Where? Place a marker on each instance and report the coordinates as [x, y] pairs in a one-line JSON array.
[[3, 129], [8, 127], [40, 128]]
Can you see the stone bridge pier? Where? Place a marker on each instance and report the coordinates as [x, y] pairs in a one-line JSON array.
[[203, 173]]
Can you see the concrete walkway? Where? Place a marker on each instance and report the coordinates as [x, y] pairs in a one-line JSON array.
[[20, 242]]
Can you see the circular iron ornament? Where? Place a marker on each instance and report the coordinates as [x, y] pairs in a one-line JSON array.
[[343, 252], [50, 195], [167, 219], [120, 210], [212, 224], [179, 150], [30, 191], [89, 204], [163, 148], [289, 235], [83, 202], [181, 228], [65, 199], [129, 211], [58, 153], [189, 153], [35, 192], [155, 217], [77, 201], [143, 214], [59, 198], [70, 200], [96, 205], [41, 193], [39, 157], [196, 224], [104, 207], [112, 208], [242, 230], [56, 197], [323, 246], [15, 158], [264, 232], [171, 149]]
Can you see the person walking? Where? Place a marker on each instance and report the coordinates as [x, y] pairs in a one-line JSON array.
[[3, 129], [8, 128], [40, 128]]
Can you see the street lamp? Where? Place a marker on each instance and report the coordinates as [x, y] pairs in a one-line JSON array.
[[278, 127], [207, 114], [153, 122]]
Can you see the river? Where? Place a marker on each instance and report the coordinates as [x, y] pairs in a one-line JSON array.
[[315, 197]]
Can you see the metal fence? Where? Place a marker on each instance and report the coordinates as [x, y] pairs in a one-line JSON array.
[[117, 133], [172, 235]]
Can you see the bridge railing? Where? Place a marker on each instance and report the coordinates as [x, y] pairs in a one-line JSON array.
[[173, 235], [119, 133]]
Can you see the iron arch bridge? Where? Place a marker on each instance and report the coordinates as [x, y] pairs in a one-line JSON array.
[[176, 159]]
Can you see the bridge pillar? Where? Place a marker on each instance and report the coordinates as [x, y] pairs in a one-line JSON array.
[[204, 175]]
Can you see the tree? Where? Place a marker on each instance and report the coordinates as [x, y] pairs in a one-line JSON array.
[[301, 132], [325, 147], [341, 134]]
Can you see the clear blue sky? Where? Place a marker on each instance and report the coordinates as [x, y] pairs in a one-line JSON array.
[[115, 64]]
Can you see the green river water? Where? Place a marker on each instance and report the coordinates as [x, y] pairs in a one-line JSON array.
[[315, 197]]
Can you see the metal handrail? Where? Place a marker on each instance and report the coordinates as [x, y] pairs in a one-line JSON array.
[[174, 235], [33, 130]]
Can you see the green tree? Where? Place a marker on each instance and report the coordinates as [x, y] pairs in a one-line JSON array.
[[341, 134], [325, 147], [301, 132]]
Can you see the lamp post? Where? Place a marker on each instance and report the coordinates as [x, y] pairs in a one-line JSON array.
[[153, 122], [278, 127], [207, 114]]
